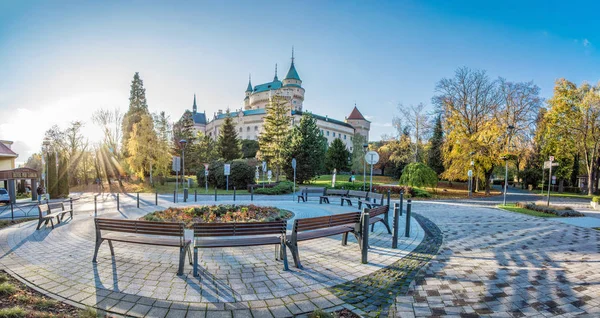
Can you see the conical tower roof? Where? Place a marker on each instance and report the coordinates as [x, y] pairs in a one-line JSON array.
[[249, 89], [355, 114], [292, 73]]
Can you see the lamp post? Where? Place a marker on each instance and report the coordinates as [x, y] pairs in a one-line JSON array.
[[365, 148], [46, 150], [471, 176], [510, 130], [182, 143]]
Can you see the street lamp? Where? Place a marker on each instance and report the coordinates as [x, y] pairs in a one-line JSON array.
[[509, 132], [471, 176], [365, 148], [45, 149], [182, 143]]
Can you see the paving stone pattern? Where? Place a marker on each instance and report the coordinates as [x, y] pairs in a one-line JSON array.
[[141, 280], [500, 264]]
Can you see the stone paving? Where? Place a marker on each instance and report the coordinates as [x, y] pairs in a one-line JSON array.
[[501, 264], [142, 280]]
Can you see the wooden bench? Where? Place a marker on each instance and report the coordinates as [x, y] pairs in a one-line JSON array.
[[354, 194], [330, 193], [305, 191], [211, 235], [143, 232], [47, 212], [323, 226], [379, 214], [371, 200]]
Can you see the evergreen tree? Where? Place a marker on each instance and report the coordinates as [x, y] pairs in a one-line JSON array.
[[138, 108], [141, 147], [184, 129], [358, 153], [435, 161], [52, 176], [249, 148], [575, 172], [228, 143], [63, 178], [307, 145], [272, 141], [163, 149], [337, 156]]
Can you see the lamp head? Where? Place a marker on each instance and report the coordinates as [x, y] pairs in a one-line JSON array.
[[182, 143]]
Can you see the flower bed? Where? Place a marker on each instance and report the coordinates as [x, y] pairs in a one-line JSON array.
[[223, 213], [556, 210]]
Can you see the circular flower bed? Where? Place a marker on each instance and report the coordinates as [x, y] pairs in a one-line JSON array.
[[222, 213]]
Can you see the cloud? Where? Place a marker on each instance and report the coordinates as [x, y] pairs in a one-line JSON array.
[[586, 42]]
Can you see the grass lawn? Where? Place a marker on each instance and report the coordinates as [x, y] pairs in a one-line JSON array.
[[326, 179], [565, 195], [7, 223], [513, 208]]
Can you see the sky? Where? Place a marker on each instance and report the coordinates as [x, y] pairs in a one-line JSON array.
[[62, 60]]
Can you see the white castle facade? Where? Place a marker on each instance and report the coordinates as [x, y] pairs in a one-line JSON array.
[[249, 119]]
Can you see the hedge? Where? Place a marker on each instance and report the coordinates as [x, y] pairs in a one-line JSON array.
[[283, 187]]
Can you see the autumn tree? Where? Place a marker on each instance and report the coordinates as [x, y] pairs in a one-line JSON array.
[[138, 108], [415, 117], [141, 147], [162, 150], [272, 140], [358, 154]]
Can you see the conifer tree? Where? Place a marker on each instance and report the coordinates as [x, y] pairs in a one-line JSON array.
[[272, 141], [228, 143], [63, 177], [358, 153], [141, 147], [434, 160], [138, 108], [307, 145], [52, 176], [337, 156]]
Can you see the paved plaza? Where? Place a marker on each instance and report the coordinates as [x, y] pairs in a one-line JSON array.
[[462, 259]]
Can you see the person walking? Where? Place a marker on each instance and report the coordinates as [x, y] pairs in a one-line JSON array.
[[39, 191]]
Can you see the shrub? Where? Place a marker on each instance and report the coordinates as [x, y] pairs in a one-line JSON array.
[[7, 289], [261, 185], [420, 193], [562, 211], [283, 187], [408, 191], [596, 199], [347, 185], [13, 312], [241, 175], [417, 174]]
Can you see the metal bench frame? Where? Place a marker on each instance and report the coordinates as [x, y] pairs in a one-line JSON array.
[[354, 194], [51, 211], [371, 200], [305, 191], [329, 193], [211, 235], [143, 232], [379, 214]]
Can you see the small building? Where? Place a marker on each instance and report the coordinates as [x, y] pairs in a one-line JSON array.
[[7, 155], [9, 175]]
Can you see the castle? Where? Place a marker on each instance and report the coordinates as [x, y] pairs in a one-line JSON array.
[[249, 119]]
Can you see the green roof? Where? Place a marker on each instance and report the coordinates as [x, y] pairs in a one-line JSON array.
[[267, 86], [292, 74], [323, 118]]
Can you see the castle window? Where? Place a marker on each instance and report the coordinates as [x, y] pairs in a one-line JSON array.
[[344, 137], [255, 128], [328, 133], [240, 129], [248, 128]]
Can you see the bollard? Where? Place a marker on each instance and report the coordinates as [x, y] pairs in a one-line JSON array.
[[71, 203], [233, 193], [401, 201], [12, 211], [95, 206], [395, 225], [155, 198], [138, 200], [388, 198], [174, 196], [195, 196], [215, 194], [251, 193], [118, 203], [185, 195], [365, 237], [407, 230]]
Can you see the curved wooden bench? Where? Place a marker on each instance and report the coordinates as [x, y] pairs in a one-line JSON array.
[[142, 232], [379, 214], [371, 200], [360, 195], [305, 191], [210, 235], [323, 226], [329, 193]]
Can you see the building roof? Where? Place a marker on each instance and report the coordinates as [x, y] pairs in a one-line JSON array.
[[292, 74], [249, 112], [267, 86], [199, 118], [355, 114], [249, 89], [6, 152], [323, 118]]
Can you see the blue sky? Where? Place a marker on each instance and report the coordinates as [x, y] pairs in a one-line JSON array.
[[59, 61]]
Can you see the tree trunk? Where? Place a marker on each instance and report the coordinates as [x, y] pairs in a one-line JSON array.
[[488, 176], [561, 185]]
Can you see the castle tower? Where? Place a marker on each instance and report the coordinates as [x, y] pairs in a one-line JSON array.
[[194, 107], [359, 122], [293, 86], [248, 92]]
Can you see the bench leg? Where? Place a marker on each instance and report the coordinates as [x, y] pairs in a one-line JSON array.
[[112, 250], [320, 200], [52, 223], [277, 253], [283, 255], [40, 224], [327, 199], [344, 239], [295, 255], [372, 227], [387, 226], [359, 205], [196, 262], [182, 253], [189, 251], [58, 219], [98, 243]]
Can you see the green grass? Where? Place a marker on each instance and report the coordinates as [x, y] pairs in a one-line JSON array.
[[13, 312], [6, 223], [513, 208], [565, 195], [7, 289], [88, 312], [326, 179]]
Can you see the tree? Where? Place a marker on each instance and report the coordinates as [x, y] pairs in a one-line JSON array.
[[400, 152], [385, 152], [417, 174], [434, 157], [337, 156], [110, 122], [62, 186], [249, 148], [573, 122], [140, 147], [35, 162], [52, 175], [358, 154], [228, 143], [184, 129], [138, 108], [272, 140], [75, 146], [417, 119], [306, 144], [162, 151]]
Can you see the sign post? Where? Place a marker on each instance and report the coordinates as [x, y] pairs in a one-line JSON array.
[[550, 179], [371, 158], [176, 167], [294, 167], [226, 172], [470, 175], [264, 169]]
